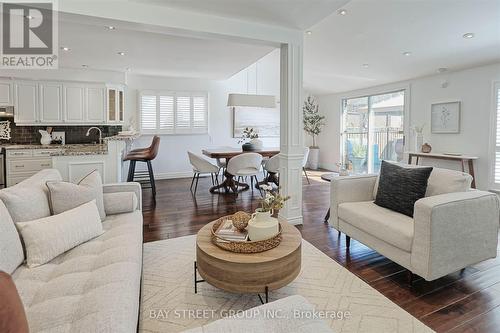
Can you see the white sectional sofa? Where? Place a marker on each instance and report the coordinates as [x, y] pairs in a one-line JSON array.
[[95, 287], [452, 227]]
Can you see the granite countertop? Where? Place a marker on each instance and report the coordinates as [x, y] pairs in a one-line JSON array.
[[122, 137], [64, 150]]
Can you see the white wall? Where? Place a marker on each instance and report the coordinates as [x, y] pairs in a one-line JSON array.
[[172, 160], [473, 87]]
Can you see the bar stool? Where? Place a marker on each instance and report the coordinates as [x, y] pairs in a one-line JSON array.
[[143, 155]]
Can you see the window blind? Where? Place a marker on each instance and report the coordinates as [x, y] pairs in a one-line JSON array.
[[148, 112], [174, 112]]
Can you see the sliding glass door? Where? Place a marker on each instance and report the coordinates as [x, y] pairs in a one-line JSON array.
[[373, 130]]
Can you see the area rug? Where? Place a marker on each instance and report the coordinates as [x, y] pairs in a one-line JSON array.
[[169, 303]]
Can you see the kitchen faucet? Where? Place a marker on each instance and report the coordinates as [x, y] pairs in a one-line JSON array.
[[100, 133]]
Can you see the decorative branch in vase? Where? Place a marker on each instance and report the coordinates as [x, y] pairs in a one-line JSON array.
[[253, 136], [313, 125], [419, 136]]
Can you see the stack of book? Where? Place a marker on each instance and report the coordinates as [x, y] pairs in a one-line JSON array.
[[230, 233]]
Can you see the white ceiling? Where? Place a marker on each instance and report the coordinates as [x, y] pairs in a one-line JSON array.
[[378, 32], [150, 53], [296, 14]]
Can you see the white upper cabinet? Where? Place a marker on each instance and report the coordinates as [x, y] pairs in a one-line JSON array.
[[25, 102], [71, 103], [115, 107], [74, 103], [6, 98], [96, 104], [51, 103]]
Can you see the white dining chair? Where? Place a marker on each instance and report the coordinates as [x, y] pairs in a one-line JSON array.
[[245, 165], [272, 167], [304, 163], [202, 166]]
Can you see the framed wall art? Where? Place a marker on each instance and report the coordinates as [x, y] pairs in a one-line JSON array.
[[445, 118]]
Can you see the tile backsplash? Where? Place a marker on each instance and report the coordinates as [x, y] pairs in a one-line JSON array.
[[74, 134]]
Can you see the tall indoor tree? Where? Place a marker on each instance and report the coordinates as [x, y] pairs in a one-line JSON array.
[[313, 124]]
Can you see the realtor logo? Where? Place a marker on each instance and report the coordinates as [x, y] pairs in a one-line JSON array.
[[29, 35]]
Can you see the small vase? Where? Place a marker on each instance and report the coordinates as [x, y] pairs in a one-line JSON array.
[[45, 139], [262, 226], [248, 147], [419, 141], [257, 143]]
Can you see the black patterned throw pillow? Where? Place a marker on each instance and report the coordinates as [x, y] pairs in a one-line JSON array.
[[399, 187]]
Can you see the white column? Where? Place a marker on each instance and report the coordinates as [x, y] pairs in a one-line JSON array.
[[291, 133]]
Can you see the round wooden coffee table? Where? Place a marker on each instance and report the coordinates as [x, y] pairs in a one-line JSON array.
[[248, 272]]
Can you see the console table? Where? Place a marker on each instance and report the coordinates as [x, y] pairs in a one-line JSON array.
[[463, 159]]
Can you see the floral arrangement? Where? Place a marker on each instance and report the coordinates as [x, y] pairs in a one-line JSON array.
[[272, 200], [418, 129], [248, 133]]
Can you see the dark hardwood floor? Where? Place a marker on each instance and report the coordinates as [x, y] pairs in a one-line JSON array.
[[467, 301]]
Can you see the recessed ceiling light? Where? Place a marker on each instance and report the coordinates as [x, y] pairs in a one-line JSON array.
[[468, 35], [64, 48], [407, 54], [110, 27], [121, 53], [342, 12], [442, 69], [365, 65], [309, 32], [29, 17], [85, 66]]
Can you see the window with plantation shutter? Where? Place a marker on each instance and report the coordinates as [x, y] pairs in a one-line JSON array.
[[167, 122], [174, 112], [496, 167], [148, 112], [183, 114]]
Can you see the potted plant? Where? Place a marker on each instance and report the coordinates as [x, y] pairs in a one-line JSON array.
[[253, 136], [313, 124], [358, 156]]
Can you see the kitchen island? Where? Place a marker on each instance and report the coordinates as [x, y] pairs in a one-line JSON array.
[[73, 161]]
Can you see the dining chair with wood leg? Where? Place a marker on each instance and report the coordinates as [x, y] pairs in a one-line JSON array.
[[272, 168], [145, 155], [202, 166], [304, 163], [244, 165]]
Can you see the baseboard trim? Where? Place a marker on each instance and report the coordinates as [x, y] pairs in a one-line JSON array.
[[298, 220], [174, 175]]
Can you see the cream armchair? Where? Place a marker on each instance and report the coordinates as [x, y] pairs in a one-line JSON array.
[[452, 227]]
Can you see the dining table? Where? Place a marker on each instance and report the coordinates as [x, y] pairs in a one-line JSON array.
[[226, 153]]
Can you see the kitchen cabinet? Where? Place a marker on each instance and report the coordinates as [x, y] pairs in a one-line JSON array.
[[24, 163], [6, 98], [51, 103], [115, 107], [74, 103], [26, 102], [96, 104], [69, 103]]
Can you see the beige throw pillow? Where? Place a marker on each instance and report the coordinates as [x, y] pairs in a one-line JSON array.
[[11, 250], [65, 196], [49, 237], [28, 200]]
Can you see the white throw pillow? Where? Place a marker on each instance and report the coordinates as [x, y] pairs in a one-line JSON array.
[[65, 196], [49, 237], [120, 202], [28, 200], [11, 249]]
